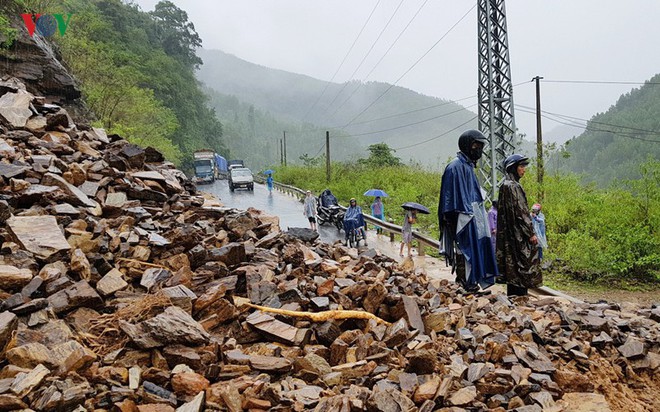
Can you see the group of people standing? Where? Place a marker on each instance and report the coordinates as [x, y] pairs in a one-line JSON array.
[[502, 244]]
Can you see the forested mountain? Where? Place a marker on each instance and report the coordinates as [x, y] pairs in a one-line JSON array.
[[255, 135], [618, 141], [419, 126], [135, 69]]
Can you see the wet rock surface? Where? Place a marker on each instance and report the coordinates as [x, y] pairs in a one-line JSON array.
[[119, 292]]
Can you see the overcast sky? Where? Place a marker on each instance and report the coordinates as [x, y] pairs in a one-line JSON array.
[[566, 40]]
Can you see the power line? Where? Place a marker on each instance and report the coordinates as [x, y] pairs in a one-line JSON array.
[[397, 114], [598, 82], [435, 137], [380, 60], [567, 117], [411, 67], [412, 124], [368, 52], [413, 111], [342, 62], [592, 129]]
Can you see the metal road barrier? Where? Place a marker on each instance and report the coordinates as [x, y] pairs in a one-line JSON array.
[[422, 239]]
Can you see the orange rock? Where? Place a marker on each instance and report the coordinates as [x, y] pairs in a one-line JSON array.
[[189, 383]]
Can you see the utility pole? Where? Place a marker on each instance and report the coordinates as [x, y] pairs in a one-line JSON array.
[[539, 139], [327, 156], [284, 148], [281, 153]]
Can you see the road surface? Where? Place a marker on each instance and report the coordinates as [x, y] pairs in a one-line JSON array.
[[289, 210]]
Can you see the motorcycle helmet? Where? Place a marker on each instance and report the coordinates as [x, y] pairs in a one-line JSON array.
[[466, 140], [515, 160]]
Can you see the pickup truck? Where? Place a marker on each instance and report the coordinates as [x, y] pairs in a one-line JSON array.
[[241, 177]]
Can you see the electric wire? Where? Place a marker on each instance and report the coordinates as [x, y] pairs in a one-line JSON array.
[[567, 117], [342, 62], [435, 137], [368, 53], [411, 67], [413, 123], [379, 61], [412, 111], [598, 82], [587, 127]]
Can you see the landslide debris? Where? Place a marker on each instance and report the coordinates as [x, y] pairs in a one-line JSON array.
[[118, 285]]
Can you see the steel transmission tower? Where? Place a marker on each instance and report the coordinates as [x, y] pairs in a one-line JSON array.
[[495, 93]]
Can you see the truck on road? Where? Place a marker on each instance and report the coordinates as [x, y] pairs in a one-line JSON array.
[[221, 167], [205, 166], [232, 164]]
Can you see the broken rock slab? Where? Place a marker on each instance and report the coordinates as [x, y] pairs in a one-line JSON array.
[[13, 278], [174, 325], [15, 107], [278, 330], [39, 235]]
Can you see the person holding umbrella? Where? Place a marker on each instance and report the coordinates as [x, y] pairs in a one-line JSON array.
[[269, 180], [409, 219], [377, 207], [465, 238], [406, 231]]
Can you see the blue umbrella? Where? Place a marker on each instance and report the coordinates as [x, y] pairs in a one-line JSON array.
[[269, 172], [416, 206], [376, 192]]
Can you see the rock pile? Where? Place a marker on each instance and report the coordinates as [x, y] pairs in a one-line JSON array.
[[118, 287]]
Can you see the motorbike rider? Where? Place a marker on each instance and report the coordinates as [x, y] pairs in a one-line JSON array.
[[354, 219]]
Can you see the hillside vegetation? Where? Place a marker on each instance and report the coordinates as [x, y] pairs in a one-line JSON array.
[[400, 118], [247, 128], [618, 141], [608, 236], [136, 72]]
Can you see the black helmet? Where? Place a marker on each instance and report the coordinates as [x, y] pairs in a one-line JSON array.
[[468, 137], [515, 160]]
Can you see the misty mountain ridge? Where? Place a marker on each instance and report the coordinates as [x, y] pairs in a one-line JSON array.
[[256, 100], [561, 134], [399, 117]]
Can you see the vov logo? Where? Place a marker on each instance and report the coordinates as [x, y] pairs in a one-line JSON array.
[[46, 24]]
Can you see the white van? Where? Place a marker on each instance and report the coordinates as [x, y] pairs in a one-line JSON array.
[[241, 177]]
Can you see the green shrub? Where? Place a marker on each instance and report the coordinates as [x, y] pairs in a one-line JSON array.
[[593, 234]]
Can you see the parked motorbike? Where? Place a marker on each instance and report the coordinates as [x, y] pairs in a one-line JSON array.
[[331, 214], [328, 210]]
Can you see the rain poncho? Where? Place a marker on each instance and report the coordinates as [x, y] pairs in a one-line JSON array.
[[327, 199], [309, 208], [269, 182], [353, 218], [517, 257], [378, 211], [463, 223], [539, 228]]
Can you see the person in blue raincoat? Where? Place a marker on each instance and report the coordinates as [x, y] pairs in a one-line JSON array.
[[538, 220], [465, 235], [378, 211], [269, 182], [354, 219]]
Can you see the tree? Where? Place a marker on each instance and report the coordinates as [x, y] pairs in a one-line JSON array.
[[176, 34], [381, 155]]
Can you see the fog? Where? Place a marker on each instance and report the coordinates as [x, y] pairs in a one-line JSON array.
[[572, 44]]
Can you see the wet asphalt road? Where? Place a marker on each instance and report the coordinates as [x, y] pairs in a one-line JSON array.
[[287, 208]]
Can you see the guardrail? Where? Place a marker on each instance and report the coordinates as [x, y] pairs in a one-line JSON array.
[[422, 240]]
